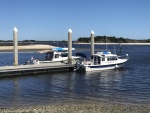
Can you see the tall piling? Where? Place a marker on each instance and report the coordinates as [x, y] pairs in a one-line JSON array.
[[92, 42], [70, 46], [15, 37]]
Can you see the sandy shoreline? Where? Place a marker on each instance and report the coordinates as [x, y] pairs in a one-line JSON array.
[[82, 108], [48, 47], [27, 48]]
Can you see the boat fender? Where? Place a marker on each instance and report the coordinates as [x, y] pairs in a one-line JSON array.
[[36, 61], [116, 66]]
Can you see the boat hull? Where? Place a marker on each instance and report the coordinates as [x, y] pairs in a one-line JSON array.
[[56, 60], [102, 67], [98, 67]]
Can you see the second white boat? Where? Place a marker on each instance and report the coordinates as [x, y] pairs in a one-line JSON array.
[[102, 61]]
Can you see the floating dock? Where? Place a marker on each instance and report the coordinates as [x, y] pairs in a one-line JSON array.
[[7, 71]]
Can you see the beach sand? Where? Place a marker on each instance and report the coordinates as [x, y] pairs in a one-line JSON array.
[[26, 48], [48, 47], [82, 108]]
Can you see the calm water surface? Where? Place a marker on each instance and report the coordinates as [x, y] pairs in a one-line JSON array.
[[130, 84]]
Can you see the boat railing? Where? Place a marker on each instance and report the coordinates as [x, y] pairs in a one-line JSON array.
[[124, 57]]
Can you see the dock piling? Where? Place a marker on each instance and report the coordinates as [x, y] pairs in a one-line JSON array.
[[15, 37], [70, 46], [92, 42]]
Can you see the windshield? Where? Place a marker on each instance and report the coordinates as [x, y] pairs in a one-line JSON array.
[[64, 54]]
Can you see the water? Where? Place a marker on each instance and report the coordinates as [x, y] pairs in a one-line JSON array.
[[130, 84]]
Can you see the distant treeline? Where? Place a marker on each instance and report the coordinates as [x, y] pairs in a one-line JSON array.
[[110, 39], [97, 39], [30, 42], [19, 41]]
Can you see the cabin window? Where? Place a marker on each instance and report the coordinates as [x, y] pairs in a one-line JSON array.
[[108, 59], [96, 60], [64, 54], [103, 59], [49, 56], [99, 60], [111, 58], [57, 56]]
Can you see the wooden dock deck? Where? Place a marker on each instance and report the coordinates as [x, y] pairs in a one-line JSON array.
[[6, 71]]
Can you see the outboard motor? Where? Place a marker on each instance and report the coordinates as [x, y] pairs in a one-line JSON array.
[[78, 66]]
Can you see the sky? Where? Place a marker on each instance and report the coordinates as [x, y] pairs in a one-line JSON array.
[[51, 19]]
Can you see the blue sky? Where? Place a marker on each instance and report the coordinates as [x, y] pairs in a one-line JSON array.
[[51, 19]]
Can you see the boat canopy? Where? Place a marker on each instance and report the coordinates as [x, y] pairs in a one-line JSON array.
[[81, 55], [61, 49], [104, 52]]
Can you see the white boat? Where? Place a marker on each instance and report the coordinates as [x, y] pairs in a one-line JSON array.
[[56, 55], [102, 61]]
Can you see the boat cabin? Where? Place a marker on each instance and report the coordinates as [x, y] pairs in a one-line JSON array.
[[54, 55], [103, 58]]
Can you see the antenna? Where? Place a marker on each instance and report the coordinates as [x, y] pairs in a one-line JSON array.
[[106, 43], [114, 49]]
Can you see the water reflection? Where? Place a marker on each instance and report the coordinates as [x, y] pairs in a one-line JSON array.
[[106, 86], [15, 93]]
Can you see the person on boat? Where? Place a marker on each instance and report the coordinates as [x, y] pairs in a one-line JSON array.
[[48, 56]]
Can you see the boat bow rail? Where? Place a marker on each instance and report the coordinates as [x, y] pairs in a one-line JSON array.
[[124, 57]]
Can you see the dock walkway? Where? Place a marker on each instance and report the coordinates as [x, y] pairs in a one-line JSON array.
[[36, 68]]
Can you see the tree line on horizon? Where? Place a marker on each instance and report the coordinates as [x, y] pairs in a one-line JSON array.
[[97, 39], [110, 39]]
